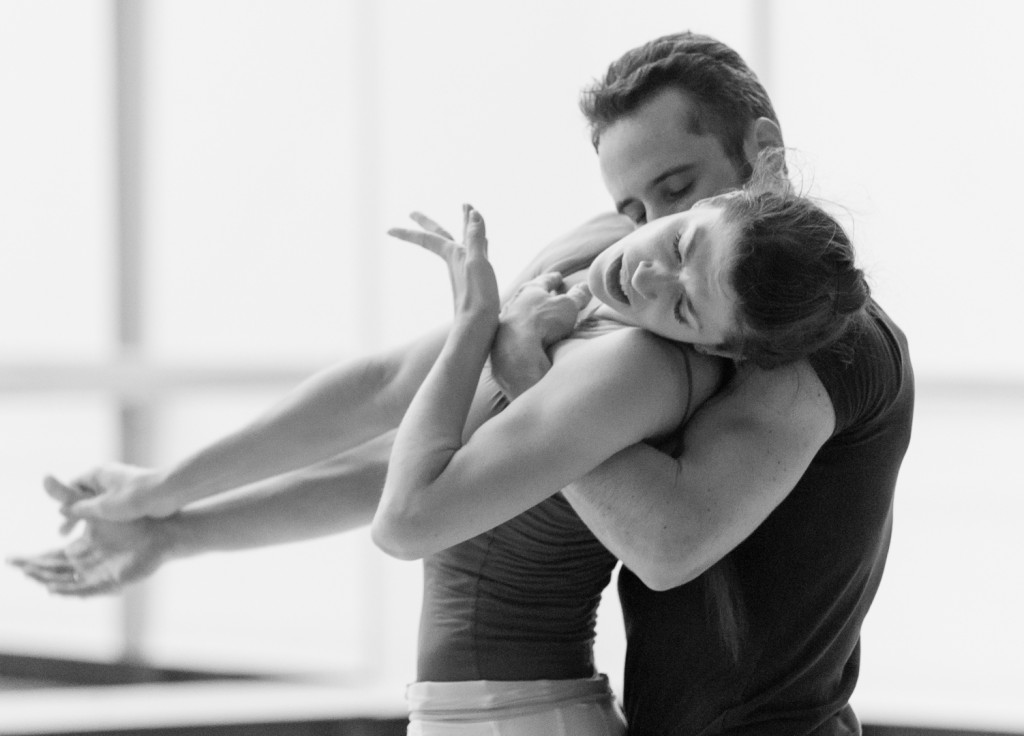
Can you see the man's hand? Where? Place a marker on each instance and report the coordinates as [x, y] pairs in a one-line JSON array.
[[543, 311], [111, 492], [539, 314]]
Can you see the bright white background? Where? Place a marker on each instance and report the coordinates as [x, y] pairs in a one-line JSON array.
[[282, 138]]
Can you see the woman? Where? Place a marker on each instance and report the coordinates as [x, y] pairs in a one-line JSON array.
[[752, 275]]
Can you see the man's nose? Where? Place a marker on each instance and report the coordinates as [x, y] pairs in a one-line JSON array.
[[650, 278]]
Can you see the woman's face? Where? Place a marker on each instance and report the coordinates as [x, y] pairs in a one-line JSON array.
[[671, 276]]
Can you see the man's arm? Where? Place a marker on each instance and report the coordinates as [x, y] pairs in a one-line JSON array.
[[669, 519]]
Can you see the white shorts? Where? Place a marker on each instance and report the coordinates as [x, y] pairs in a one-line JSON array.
[[518, 708]]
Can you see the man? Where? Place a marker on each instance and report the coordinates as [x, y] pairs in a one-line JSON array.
[[749, 561]]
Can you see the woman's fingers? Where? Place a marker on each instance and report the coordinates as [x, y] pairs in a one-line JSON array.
[[83, 588], [69, 580], [69, 522], [62, 492], [550, 281], [429, 225], [579, 295], [475, 237], [466, 210], [434, 243], [432, 236], [50, 577], [46, 576], [437, 240], [56, 561]]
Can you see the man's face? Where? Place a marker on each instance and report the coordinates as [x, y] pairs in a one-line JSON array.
[[654, 166]]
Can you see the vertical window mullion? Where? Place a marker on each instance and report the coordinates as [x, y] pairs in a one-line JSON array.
[[135, 420]]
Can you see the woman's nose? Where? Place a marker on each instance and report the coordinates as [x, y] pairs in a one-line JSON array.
[[650, 278]]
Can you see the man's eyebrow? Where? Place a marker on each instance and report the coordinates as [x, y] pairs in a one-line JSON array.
[[680, 169]]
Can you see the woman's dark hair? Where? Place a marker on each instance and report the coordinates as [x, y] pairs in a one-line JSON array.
[[798, 289], [727, 94]]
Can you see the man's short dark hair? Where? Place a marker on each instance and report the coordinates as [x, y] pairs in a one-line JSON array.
[[728, 95]]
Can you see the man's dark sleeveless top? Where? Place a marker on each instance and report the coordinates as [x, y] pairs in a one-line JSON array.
[[805, 578]]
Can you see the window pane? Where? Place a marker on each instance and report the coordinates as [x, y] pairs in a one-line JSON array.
[[910, 130], [248, 187], [943, 642], [55, 180], [297, 608], [324, 606]]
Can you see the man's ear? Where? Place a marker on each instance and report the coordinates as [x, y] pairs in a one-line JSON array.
[[762, 134]]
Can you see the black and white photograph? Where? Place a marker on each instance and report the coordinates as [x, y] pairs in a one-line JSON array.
[[490, 368]]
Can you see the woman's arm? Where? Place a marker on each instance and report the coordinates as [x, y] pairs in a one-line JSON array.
[[334, 411], [601, 395], [327, 498], [331, 412]]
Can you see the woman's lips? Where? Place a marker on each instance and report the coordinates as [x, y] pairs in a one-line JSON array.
[[613, 281]]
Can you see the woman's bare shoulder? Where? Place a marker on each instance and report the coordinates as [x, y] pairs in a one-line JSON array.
[[612, 348]]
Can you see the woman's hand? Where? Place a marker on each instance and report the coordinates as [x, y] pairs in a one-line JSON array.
[[106, 555], [474, 286]]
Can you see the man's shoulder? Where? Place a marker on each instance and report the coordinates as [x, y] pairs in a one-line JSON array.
[[789, 398], [869, 372], [776, 389]]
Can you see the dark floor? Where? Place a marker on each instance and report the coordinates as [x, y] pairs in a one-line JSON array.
[[360, 727], [872, 730], [19, 672]]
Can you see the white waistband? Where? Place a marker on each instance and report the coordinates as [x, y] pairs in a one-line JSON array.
[[497, 698]]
